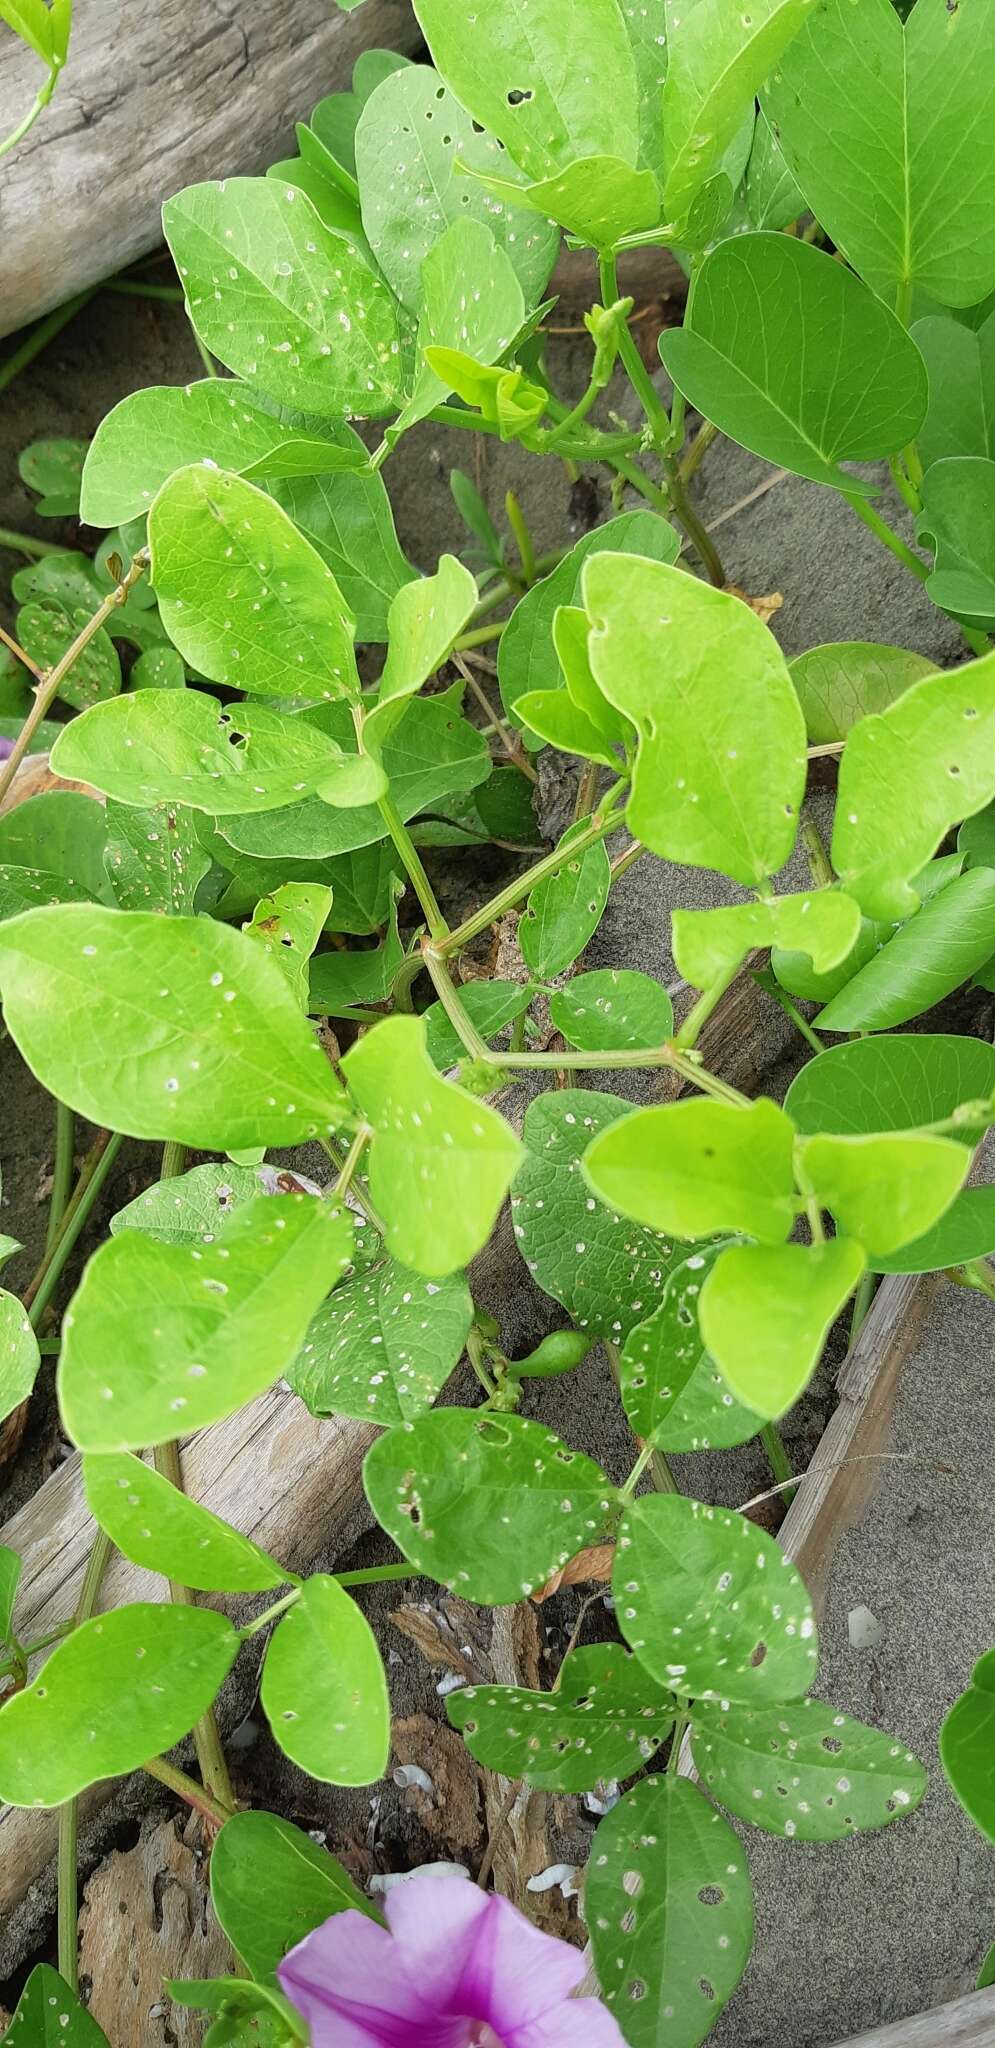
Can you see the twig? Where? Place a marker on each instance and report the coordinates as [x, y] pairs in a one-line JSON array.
[[15, 648], [48, 690]]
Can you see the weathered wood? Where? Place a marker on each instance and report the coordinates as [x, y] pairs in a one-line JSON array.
[[147, 1921], [156, 96], [966, 2023]]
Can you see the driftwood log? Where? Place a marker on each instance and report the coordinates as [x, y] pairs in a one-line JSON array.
[[965, 2023], [155, 96]]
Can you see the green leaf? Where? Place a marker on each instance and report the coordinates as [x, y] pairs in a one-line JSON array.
[[10, 1579], [19, 1356], [490, 1005], [277, 296], [966, 1232], [766, 1311], [851, 679], [597, 198], [54, 469], [32, 21], [481, 321], [718, 59], [719, 776], [556, 719], [708, 945], [227, 561], [958, 500], [441, 1162], [32, 888], [335, 118], [118, 1690], [795, 972], [606, 1719], [564, 911], [348, 520], [52, 2015], [61, 832], [324, 1691], [383, 1345], [710, 1604], [46, 631], [189, 1208], [155, 860], [613, 1010], [552, 85], [762, 305], [149, 1521], [505, 397], [412, 140], [894, 1084], [230, 1062], [773, 199], [885, 1189], [425, 619], [488, 1505], [946, 942], [229, 1318], [804, 1770], [526, 652], [288, 926], [271, 1885], [906, 776], [672, 1391], [878, 123], [966, 1750], [698, 1167], [338, 980], [670, 1910], [151, 434], [960, 364], [571, 636], [607, 1273]]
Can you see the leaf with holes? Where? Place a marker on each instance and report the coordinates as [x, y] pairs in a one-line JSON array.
[[53, 468], [607, 1273], [613, 1010], [53, 2015], [413, 140], [906, 776], [564, 911], [271, 1885], [966, 1751], [230, 1062], [960, 364], [154, 1525], [672, 1391], [19, 1356], [699, 1167], [606, 1719], [243, 595], [718, 59], [10, 1579], [155, 860], [710, 1604], [762, 306], [349, 522], [471, 301], [288, 926], [958, 506], [804, 1770], [278, 297], [189, 1208], [118, 1690], [847, 680], [425, 619], [886, 1190], [441, 1162], [383, 1345], [720, 773], [709, 945], [324, 1692], [168, 1337], [948, 940], [766, 1311], [490, 1506], [670, 1911], [490, 1006], [46, 630]]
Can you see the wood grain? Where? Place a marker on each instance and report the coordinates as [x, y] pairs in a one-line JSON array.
[[155, 96], [966, 2023]]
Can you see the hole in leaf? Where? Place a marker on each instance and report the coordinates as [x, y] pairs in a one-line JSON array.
[[832, 1743], [636, 1989], [706, 1987], [711, 1895], [519, 96]]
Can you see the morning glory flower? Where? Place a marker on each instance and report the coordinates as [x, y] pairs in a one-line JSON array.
[[454, 1968]]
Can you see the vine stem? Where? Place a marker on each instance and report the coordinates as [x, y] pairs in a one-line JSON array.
[[463, 1025], [68, 1901], [696, 1019], [25, 543], [188, 1789], [92, 1177], [49, 688], [669, 1055], [62, 1172], [523, 538], [349, 1164], [603, 821], [413, 866], [977, 642], [777, 1458], [18, 651]]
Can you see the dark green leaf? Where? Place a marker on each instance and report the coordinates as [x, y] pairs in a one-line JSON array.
[[54, 469], [958, 509], [46, 631], [19, 1356], [271, 1885], [49, 2015], [966, 1232], [490, 1005], [613, 1010], [155, 860], [938, 949], [896, 1083], [564, 911], [606, 1719], [960, 363], [62, 833], [348, 519], [967, 1752]]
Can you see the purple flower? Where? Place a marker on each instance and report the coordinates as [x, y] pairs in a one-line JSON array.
[[6, 749], [456, 1968]]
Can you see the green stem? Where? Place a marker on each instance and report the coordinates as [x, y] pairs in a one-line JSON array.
[[41, 100], [359, 1192], [604, 820], [820, 866], [252, 1628], [91, 1180], [68, 1903], [483, 635], [350, 1162], [639, 481], [62, 1171], [133, 288], [380, 1575], [887, 536], [681, 1726], [669, 1055], [48, 690], [38, 338], [639, 377], [791, 1010], [696, 532], [707, 433], [25, 544], [906, 490], [523, 539], [463, 1025], [596, 448], [188, 1789], [413, 865], [777, 1457], [696, 1019], [645, 1457], [475, 1354]]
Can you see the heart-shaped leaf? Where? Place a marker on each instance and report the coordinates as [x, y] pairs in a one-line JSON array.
[[894, 1084], [766, 1311], [718, 58], [19, 1356], [565, 909], [52, 2014], [672, 1391], [966, 1746], [149, 1521], [183, 747], [710, 944], [613, 1010], [804, 1770], [488, 1505], [851, 679], [383, 1345], [887, 1189], [606, 1719], [271, 1884], [698, 1167], [323, 1689], [288, 926], [349, 522]]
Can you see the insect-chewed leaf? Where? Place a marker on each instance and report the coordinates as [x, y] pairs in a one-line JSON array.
[[271, 1884], [960, 364], [154, 857], [46, 631], [288, 926], [348, 520], [383, 1345], [885, 1189], [209, 1046], [670, 1909], [183, 747], [766, 1311], [52, 2015], [324, 1691], [565, 909], [424, 620], [606, 1719], [163, 1338], [10, 1579], [189, 1208], [606, 1272], [948, 940], [896, 1083], [880, 157], [118, 1690], [490, 1005], [672, 1391], [149, 1521], [906, 776], [764, 303], [551, 84], [804, 1770], [847, 680], [278, 297], [411, 136], [698, 1167], [718, 59], [823, 924], [966, 1746], [613, 1010], [441, 1162], [958, 505], [246, 599], [720, 773], [479, 319], [710, 1604], [489, 1505], [19, 1355]]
